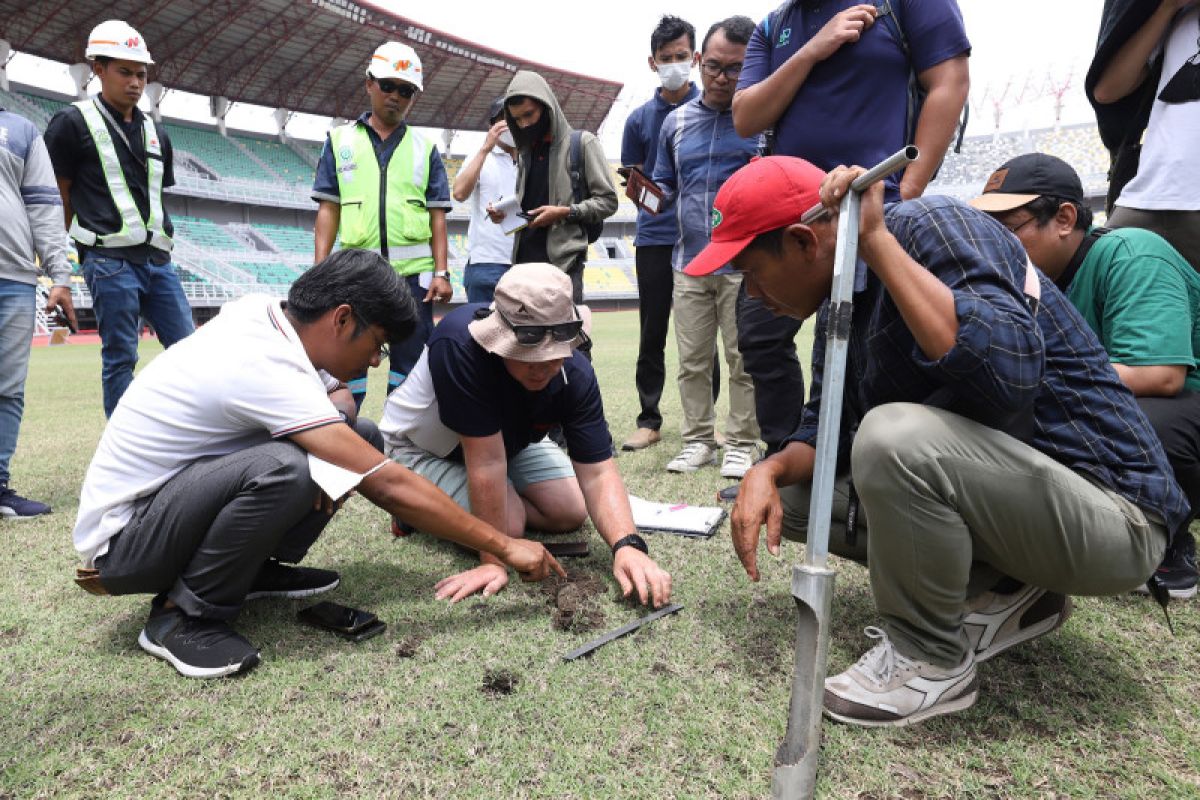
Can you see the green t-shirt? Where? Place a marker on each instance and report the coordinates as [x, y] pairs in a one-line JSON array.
[[1142, 300]]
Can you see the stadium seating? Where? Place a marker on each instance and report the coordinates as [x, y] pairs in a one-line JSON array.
[[205, 234], [289, 240], [218, 153], [281, 159]]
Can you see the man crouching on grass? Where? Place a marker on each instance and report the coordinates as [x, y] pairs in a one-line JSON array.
[[200, 491], [999, 462], [473, 417]]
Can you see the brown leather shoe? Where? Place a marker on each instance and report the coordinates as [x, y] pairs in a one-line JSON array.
[[641, 439]]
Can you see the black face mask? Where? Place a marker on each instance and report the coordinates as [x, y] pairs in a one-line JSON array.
[[536, 132], [1184, 86]]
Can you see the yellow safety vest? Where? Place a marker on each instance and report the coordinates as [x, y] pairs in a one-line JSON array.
[[384, 212], [134, 230]]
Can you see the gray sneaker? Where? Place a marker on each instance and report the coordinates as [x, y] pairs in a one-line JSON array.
[[693, 456], [888, 689], [995, 622]]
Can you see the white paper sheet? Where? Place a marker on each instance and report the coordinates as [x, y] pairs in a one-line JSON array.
[[335, 481], [678, 518], [513, 221]]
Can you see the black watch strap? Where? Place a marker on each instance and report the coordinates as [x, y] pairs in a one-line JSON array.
[[632, 540]]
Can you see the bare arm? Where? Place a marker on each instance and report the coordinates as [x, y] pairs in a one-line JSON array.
[[468, 176], [1159, 380], [64, 188], [758, 502], [608, 505], [947, 85], [414, 499], [1130, 66], [329, 217], [757, 107]]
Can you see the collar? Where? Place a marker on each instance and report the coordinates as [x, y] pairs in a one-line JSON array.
[[118, 116], [692, 93], [1063, 281], [364, 119]]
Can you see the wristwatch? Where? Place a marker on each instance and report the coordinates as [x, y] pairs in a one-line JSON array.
[[444, 274], [573, 214], [632, 540]]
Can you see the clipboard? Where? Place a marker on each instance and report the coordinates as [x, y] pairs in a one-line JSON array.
[[644, 192], [697, 522]]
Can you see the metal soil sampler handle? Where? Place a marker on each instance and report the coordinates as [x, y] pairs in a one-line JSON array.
[[812, 582]]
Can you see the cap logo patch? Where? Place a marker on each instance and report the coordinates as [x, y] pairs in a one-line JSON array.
[[400, 66], [995, 181], [716, 217]]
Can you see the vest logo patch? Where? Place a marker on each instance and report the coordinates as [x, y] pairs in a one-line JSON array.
[[349, 166], [345, 153]]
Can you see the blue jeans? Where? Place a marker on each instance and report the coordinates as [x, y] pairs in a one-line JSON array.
[[122, 293], [480, 281], [16, 333], [404, 354]]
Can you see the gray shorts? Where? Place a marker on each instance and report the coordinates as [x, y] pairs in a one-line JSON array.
[[539, 462]]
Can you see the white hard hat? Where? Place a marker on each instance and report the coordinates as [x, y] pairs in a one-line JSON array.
[[398, 61], [116, 38]]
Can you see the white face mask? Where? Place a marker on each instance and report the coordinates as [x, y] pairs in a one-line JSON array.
[[674, 76], [506, 139]]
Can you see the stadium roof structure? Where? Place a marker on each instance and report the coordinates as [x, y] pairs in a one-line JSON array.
[[302, 55]]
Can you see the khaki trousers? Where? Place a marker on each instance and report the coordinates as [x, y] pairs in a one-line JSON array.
[[704, 306], [951, 504]]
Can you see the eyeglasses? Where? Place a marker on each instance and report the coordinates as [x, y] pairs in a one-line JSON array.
[[405, 89], [1015, 228], [530, 335], [712, 70], [384, 350]]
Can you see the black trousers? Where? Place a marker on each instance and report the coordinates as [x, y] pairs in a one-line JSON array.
[[1176, 420], [768, 346], [204, 535]]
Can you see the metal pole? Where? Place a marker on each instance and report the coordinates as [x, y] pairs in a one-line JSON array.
[[812, 582]]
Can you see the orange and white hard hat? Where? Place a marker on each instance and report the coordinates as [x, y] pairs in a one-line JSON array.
[[396, 61], [116, 38]]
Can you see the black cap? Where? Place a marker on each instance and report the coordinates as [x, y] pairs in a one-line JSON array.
[[495, 110], [1025, 178]]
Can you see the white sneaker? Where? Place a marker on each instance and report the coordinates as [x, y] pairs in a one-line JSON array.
[[996, 622], [887, 689], [738, 461], [693, 456]]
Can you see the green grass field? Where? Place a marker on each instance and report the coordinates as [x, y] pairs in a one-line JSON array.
[[692, 706]]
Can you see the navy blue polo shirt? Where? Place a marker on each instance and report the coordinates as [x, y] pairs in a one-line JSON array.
[[639, 145], [477, 397], [851, 108]]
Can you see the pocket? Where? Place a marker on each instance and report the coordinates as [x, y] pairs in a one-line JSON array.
[[102, 267], [354, 227], [414, 226]]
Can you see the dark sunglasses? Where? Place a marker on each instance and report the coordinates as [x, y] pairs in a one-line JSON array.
[[405, 89], [530, 335]]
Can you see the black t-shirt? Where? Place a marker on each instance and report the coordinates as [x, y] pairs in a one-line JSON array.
[[532, 247], [75, 158], [477, 397]]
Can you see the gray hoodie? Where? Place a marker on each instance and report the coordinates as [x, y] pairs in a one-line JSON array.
[[565, 241], [30, 206]]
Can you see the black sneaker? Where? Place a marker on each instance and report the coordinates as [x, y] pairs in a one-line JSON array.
[[729, 493], [1177, 572], [15, 507], [197, 647], [284, 580]]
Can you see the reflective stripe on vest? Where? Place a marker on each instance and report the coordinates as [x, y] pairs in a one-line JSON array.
[[364, 195], [134, 230]]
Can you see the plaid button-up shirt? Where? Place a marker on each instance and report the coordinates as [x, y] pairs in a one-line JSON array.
[[1030, 367]]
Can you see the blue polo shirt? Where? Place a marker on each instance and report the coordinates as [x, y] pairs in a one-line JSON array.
[[477, 397], [851, 108], [640, 146], [325, 185]]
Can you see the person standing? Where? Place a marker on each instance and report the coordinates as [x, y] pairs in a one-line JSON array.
[[382, 186], [672, 57], [831, 81], [557, 232], [30, 206], [490, 175], [112, 163], [698, 150]]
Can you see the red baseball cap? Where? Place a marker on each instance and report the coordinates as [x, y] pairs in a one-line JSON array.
[[766, 194]]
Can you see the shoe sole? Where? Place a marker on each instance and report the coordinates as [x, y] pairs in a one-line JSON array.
[[20, 518], [190, 671], [295, 593], [681, 470], [1039, 628], [960, 703], [1175, 594], [732, 474]]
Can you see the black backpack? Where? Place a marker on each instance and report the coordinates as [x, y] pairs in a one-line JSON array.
[[578, 183]]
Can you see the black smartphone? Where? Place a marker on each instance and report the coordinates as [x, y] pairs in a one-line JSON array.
[[62, 319], [374, 629], [337, 618]]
